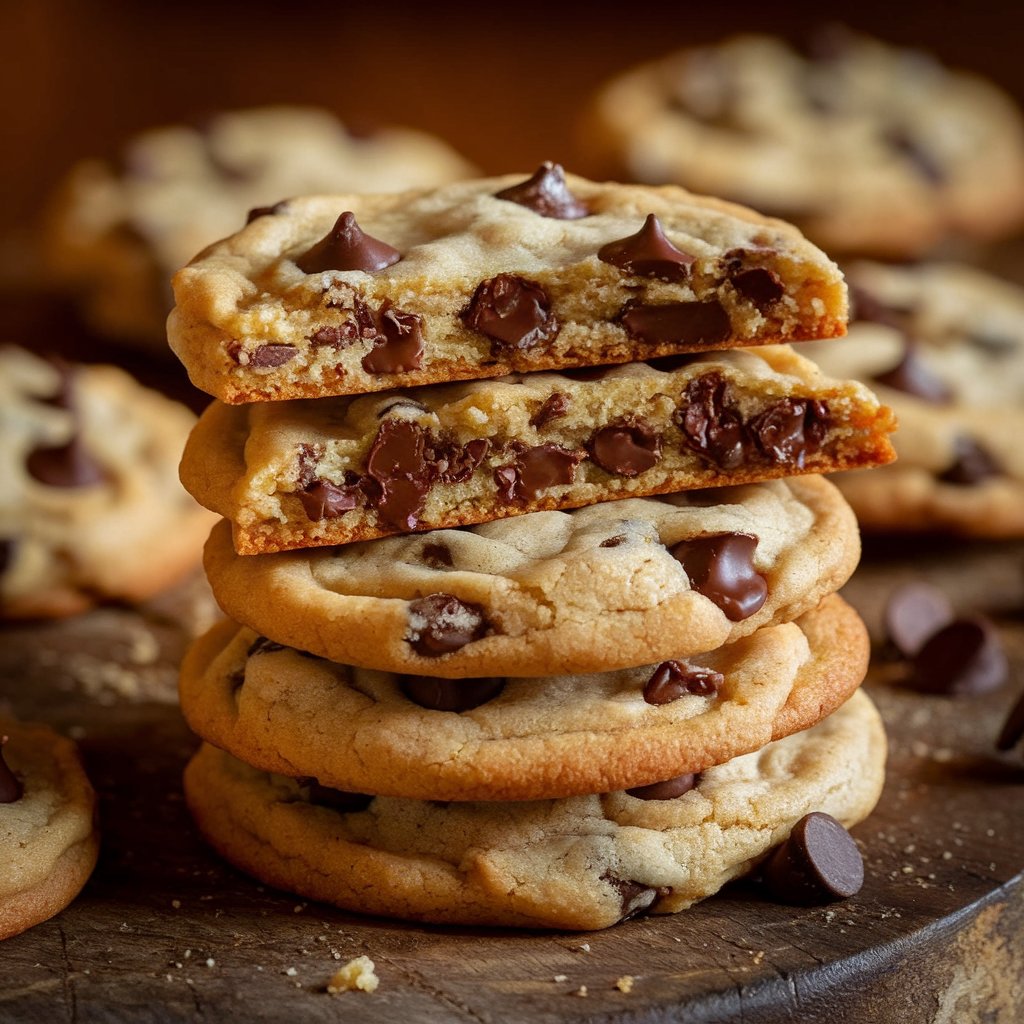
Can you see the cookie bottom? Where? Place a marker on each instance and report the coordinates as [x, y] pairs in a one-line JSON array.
[[578, 863]]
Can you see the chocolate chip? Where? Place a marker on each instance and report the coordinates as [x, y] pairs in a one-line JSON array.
[[926, 165], [686, 323], [635, 896], [461, 461], [913, 613], [272, 355], [545, 192], [261, 645], [441, 623], [398, 473], [266, 211], [66, 465], [535, 470], [10, 787], [324, 500], [513, 312], [913, 377], [819, 862], [553, 407], [674, 679], [667, 790], [972, 464], [964, 658], [436, 555], [710, 422], [450, 694], [398, 347], [648, 253], [336, 799], [614, 542], [628, 448], [720, 567], [1012, 731], [347, 247], [789, 430], [761, 286], [336, 337]]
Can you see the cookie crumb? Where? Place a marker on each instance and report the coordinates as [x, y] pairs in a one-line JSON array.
[[585, 946], [560, 977], [625, 983], [210, 962], [356, 974], [290, 971], [581, 991], [176, 904], [758, 956]]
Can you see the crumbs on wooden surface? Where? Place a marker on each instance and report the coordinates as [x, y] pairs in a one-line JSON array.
[[625, 983], [357, 974]]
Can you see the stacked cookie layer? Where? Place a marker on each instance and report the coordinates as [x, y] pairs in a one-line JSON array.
[[546, 650]]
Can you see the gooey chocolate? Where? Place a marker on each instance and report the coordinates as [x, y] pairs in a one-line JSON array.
[[440, 624], [627, 448], [513, 312], [546, 193], [720, 566], [450, 694], [689, 323], [536, 469]]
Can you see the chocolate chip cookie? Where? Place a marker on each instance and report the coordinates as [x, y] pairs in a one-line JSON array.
[[943, 344], [329, 471], [48, 836], [117, 233], [609, 586], [349, 294], [869, 148], [91, 508], [579, 863]]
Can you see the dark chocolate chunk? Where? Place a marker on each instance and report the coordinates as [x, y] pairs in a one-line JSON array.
[[436, 555], [789, 430], [10, 786], [761, 286], [65, 465], [635, 896], [553, 407], [441, 623], [450, 694], [347, 247], [1012, 731], [964, 658], [272, 355], [925, 163], [720, 567], [674, 679], [336, 799], [398, 347], [324, 500], [972, 464], [513, 312], [261, 645], [819, 862], [535, 470], [710, 422], [398, 473], [687, 323], [545, 192], [266, 211], [913, 613], [648, 253], [667, 790], [627, 449], [913, 377], [460, 462]]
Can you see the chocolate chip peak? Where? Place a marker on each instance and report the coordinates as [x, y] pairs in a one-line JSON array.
[[721, 568], [648, 253], [347, 247], [819, 862], [545, 192], [10, 787]]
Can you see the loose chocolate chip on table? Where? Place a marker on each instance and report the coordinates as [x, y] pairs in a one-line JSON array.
[[545, 192], [913, 377], [648, 253], [535, 470], [398, 347], [272, 355], [347, 247], [262, 645], [763, 287], [964, 658], [441, 623], [674, 679], [1012, 731], [66, 465], [972, 464], [513, 312], [710, 422], [336, 799], [436, 555], [266, 211], [635, 896], [819, 862], [789, 430], [10, 787], [667, 790], [688, 323], [720, 567], [553, 407], [450, 694], [627, 448], [913, 613]]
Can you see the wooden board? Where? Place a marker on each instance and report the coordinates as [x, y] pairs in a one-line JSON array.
[[166, 932]]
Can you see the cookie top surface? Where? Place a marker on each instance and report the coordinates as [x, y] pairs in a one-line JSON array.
[[353, 293], [582, 862], [552, 593], [870, 148], [517, 739], [91, 504]]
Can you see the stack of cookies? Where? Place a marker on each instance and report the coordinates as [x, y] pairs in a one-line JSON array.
[[532, 579]]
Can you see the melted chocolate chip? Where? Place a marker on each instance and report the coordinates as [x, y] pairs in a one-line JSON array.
[[648, 253], [441, 623], [266, 211], [461, 461], [513, 312], [789, 430], [398, 346], [635, 896], [66, 465], [913, 377], [347, 247], [261, 645], [819, 862], [710, 422], [761, 286], [336, 337], [535, 470], [324, 500], [964, 658], [272, 355], [913, 613], [667, 790], [336, 799], [972, 464], [398, 473], [674, 679], [553, 407], [1012, 731], [545, 192], [10, 787], [450, 694], [685, 323], [720, 567], [436, 555], [626, 449]]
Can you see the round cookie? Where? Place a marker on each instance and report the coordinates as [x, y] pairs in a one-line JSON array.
[[284, 711], [91, 507], [580, 863], [608, 586], [116, 235], [869, 148], [943, 344], [48, 837]]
